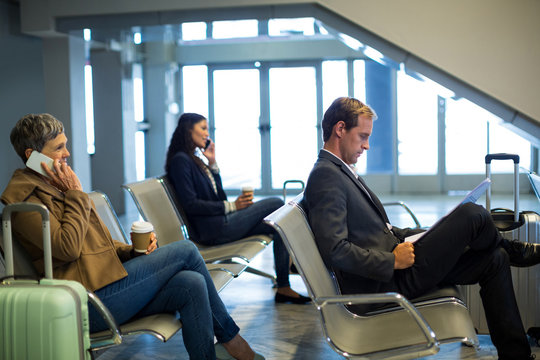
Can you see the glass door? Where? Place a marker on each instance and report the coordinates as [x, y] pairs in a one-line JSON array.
[[236, 122], [293, 119]]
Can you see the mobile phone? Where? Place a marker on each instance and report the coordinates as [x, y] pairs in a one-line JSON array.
[[208, 141], [35, 160]]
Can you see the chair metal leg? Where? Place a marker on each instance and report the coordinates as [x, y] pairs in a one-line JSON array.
[[254, 271]]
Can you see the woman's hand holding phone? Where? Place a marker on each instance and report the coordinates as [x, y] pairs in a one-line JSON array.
[[64, 178], [210, 151]]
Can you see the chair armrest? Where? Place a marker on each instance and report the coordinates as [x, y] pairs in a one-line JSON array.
[[407, 209], [393, 297], [114, 338]]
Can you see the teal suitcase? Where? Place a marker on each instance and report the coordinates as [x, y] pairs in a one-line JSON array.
[[44, 319]]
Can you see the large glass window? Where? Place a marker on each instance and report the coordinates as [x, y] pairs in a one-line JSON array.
[[417, 126], [235, 29], [468, 128], [287, 136], [89, 109], [193, 31], [466, 137], [138, 112], [502, 140], [335, 82], [359, 82], [195, 89], [237, 138], [285, 27], [359, 69], [293, 117]]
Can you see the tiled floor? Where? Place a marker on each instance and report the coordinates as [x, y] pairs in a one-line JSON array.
[[282, 331]]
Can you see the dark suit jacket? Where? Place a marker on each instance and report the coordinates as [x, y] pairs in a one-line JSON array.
[[350, 228], [203, 207]]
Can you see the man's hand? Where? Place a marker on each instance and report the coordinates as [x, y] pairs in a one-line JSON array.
[[63, 177], [404, 255]]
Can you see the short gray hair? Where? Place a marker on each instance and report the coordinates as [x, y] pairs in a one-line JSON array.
[[32, 131]]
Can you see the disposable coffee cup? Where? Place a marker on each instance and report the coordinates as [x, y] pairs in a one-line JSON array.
[[140, 235], [247, 190]]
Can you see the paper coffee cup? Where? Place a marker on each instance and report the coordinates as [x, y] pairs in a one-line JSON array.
[[247, 190], [140, 235]]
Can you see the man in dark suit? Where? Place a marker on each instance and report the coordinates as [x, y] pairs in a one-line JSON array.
[[368, 254]]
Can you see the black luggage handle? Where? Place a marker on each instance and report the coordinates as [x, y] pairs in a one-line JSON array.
[[502, 156]]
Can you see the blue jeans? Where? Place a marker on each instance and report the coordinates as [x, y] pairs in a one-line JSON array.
[[172, 278], [249, 221]]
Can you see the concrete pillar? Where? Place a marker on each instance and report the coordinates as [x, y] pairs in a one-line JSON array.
[[63, 67], [113, 163], [161, 84]]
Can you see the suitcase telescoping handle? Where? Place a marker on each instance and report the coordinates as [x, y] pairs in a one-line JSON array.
[[45, 227], [504, 156]]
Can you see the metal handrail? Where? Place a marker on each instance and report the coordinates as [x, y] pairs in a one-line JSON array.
[[409, 211]]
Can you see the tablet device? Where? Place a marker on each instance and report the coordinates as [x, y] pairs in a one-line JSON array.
[[472, 196]]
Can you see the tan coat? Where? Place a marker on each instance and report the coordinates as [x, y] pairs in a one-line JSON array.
[[82, 247]]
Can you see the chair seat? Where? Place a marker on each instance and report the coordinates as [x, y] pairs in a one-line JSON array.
[[245, 249], [223, 274], [232, 269], [163, 326], [440, 294]]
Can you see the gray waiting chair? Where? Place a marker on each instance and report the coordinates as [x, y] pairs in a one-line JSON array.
[[222, 274], [157, 205], [410, 330], [109, 217]]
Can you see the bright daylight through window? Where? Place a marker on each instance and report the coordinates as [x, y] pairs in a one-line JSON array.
[[276, 137]]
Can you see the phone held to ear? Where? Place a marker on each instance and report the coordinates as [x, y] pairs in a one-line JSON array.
[[35, 160], [208, 141]]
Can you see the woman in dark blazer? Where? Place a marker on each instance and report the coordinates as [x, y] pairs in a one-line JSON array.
[[192, 170]]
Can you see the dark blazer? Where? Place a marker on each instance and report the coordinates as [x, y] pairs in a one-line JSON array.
[[350, 228], [204, 208]]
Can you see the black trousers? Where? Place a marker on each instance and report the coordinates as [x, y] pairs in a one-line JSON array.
[[465, 249]]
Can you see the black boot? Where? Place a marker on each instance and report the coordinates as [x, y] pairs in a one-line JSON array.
[[522, 254]]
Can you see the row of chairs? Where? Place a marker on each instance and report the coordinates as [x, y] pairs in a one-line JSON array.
[[156, 202]]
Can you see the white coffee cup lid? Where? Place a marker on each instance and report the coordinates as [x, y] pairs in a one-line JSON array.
[[141, 227], [247, 188]]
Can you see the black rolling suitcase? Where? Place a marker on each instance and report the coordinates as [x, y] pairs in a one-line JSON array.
[[523, 226]]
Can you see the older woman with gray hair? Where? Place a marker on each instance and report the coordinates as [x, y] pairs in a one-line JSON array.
[[169, 279]]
